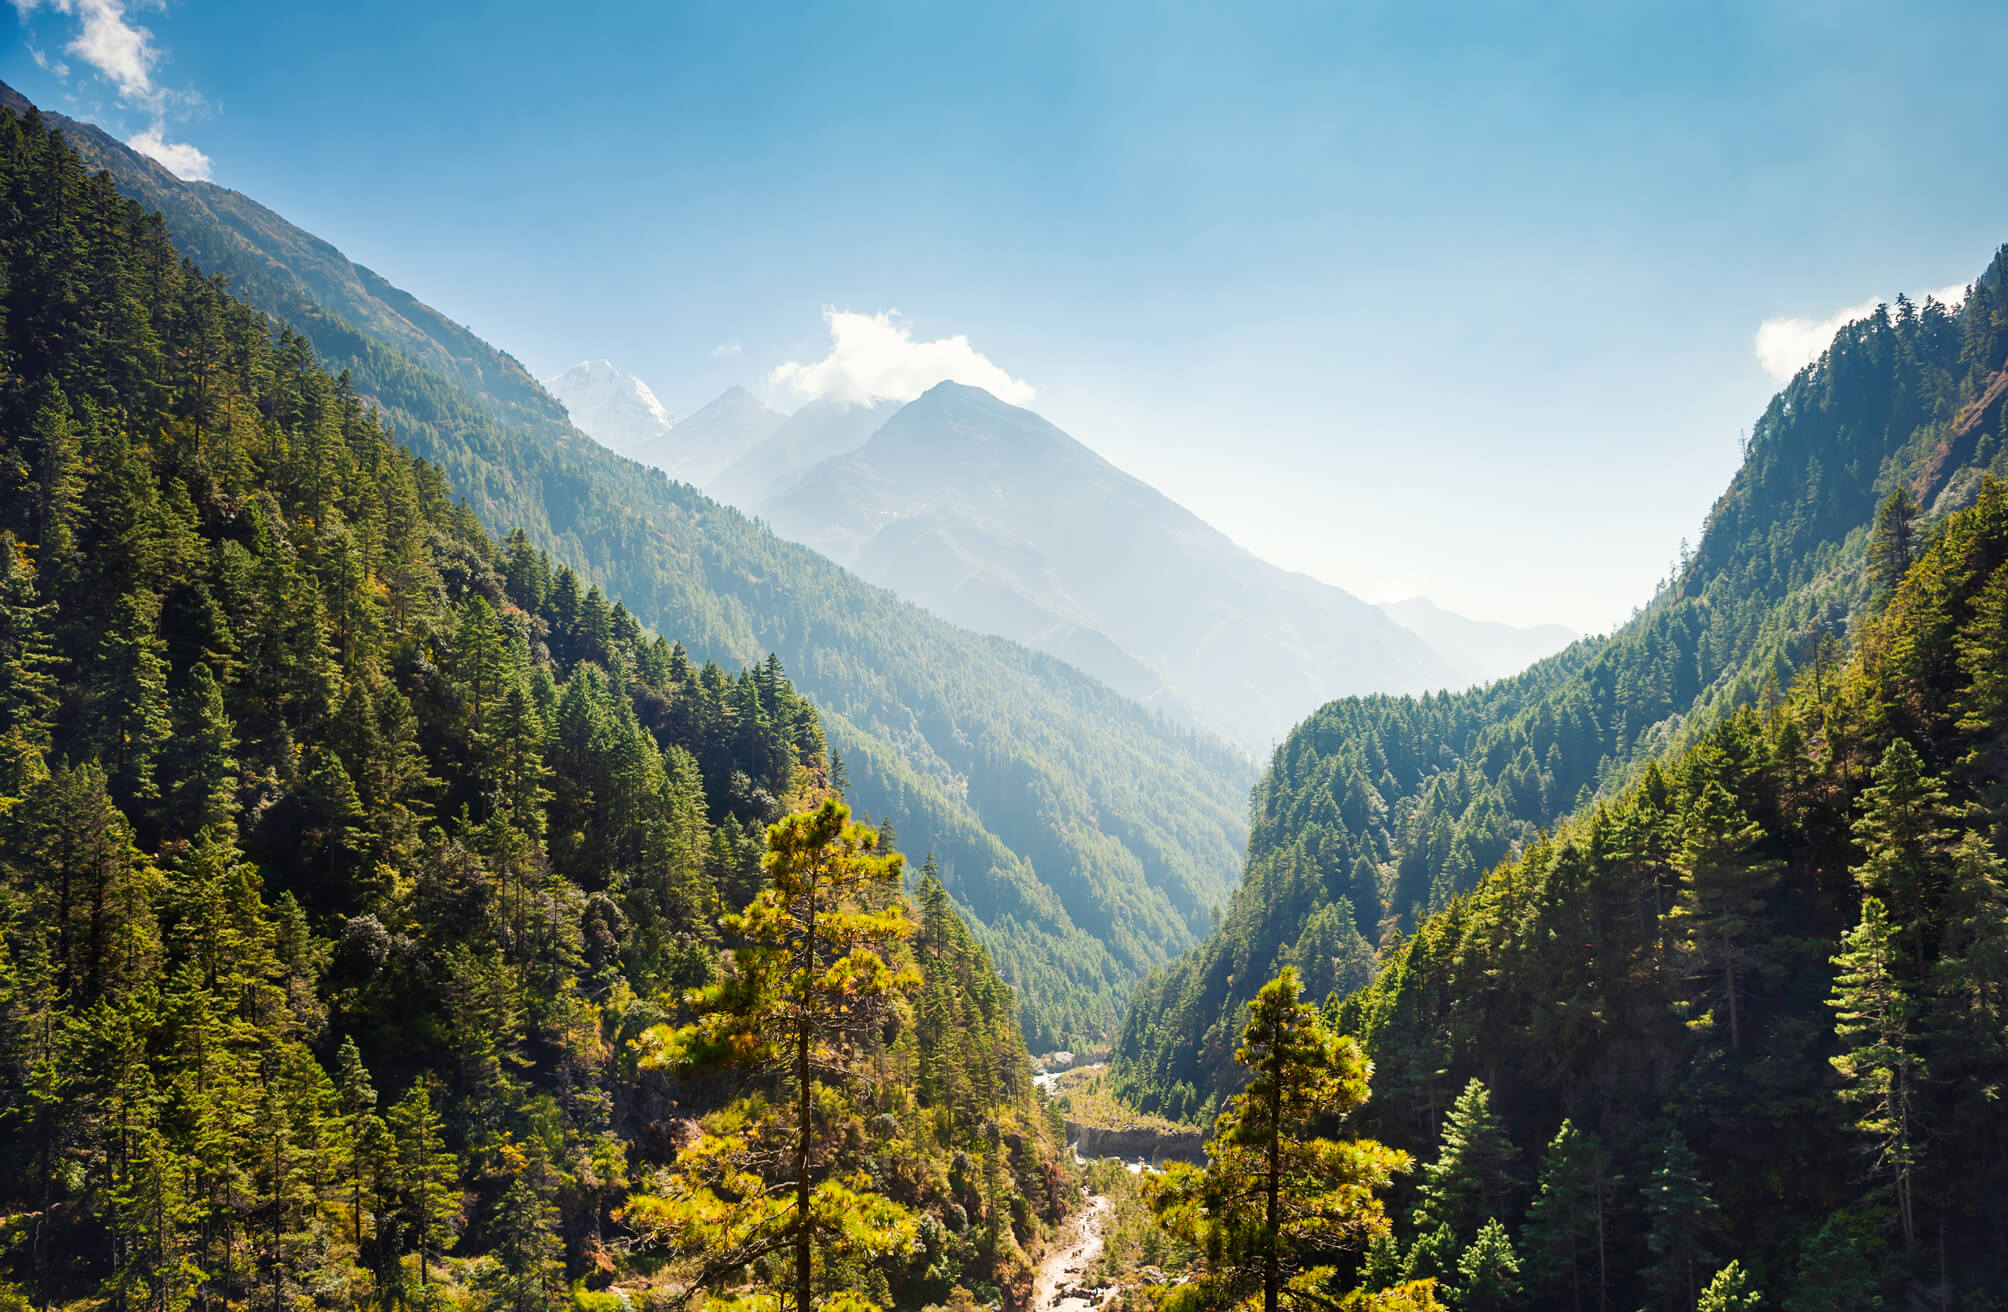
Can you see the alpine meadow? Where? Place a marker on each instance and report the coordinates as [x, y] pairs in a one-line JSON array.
[[1028, 665]]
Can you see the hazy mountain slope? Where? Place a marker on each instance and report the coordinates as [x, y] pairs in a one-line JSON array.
[[1377, 809], [1088, 838], [1479, 650], [988, 515], [614, 408], [813, 434], [726, 428]]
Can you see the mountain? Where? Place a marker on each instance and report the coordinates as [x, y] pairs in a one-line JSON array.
[[819, 430], [1378, 811], [708, 441], [1479, 650], [350, 857], [993, 518], [1087, 838], [615, 409]]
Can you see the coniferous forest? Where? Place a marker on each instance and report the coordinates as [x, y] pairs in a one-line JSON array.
[[358, 870]]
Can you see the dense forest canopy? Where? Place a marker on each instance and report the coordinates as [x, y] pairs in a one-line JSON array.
[[1377, 811], [1087, 838], [1753, 1008], [347, 853]]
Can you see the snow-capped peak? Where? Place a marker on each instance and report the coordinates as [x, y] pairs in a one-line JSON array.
[[612, 406]]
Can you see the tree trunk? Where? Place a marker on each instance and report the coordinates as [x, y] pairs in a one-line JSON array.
[[1272, 1260]]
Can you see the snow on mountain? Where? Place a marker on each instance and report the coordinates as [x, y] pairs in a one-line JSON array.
[[611, 406]]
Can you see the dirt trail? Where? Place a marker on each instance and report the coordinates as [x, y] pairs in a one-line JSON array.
[[1066, 1265]]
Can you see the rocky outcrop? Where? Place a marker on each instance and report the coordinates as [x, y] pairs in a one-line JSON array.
[[1154, 1146]]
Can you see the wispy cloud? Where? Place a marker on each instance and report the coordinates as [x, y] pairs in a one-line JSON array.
[[1785, 346], [123, 53], [875, 357], [724, 349]]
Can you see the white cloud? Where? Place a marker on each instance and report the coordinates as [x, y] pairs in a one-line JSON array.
[[108, 42], [1785, 346], [180, 158], [874, 356], [724, 349]]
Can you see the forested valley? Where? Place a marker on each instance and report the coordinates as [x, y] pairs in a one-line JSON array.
[[397, 910], [378, 901]]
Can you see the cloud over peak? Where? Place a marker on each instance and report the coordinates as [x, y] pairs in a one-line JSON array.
[[875, 357], [1785, 346]]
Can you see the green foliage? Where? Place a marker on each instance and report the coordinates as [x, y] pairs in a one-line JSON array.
[[1278, 1200], [1730, 1291], [1488, 1273], [1473, 1177]]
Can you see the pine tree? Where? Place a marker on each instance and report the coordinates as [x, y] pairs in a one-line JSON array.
[[811, 986], [1724, 886], [1488, 1273], [27, 664], [427, 1177], [1904, 834], [1832, 1272], [1730, 1291], [1968, 1006], [1566, 1234], [203, 756], [1276, 1194], [1473, 1176], [1893, 540], [1881, 1070], [1682, 1223]]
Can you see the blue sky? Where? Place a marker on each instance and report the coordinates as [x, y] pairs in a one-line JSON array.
[[1453, 299]]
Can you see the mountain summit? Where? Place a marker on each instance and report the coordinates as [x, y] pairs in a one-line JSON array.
[[613, 407], [994, 518]]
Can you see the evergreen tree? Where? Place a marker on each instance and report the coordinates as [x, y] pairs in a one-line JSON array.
[[1730, 1291], [1277, 1199], [427, 1177], [1682, 1224], [1881, 1070], [811, 985], [1473, 1177], [1904, 835], [1724, 886], [1893, 540], [1566, 1237], [1488, 1272]]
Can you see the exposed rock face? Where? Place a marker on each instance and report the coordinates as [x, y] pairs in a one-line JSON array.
[[1152, 1146]]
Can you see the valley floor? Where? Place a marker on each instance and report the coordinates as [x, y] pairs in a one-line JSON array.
[[1057, 1286]]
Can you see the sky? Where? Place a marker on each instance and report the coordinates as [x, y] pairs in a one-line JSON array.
[[1467, 300]]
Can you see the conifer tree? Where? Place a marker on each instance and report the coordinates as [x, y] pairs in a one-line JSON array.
[[1893, 540], [1730, 1291], [1881, 1069], [1473, 1177], [1904, 835], [809, 990], [1682, 1224], [1724, 886], [1278, 1199], [1488, 1273], [427, 1177], [1566, 1235]]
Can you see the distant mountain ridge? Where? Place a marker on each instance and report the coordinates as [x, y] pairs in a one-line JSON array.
[[994, 518], [1481, 650]]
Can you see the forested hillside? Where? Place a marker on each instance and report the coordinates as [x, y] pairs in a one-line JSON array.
[[1088, 839], [1753, 1009], [1376, 811], [350, 858]]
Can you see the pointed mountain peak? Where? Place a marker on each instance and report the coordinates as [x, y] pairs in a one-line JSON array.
[[610, 405]]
